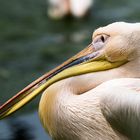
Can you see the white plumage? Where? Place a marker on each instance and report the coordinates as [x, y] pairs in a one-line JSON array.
[[60, 8]]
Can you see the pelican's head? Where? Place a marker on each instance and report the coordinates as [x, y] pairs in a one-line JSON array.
[[113, 46], [122, 41]]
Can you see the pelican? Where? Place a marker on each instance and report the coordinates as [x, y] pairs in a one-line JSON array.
[[94, 95], [61, 8]]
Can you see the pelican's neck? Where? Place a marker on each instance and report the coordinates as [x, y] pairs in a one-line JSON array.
[[73, 116], [132, 69]]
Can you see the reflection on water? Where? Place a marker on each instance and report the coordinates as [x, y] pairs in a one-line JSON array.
[[22, 128], [31, 44]]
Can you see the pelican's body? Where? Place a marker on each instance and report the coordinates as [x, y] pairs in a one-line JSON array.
[[61, 8], [81, 117], [72, 108], [95, 95]]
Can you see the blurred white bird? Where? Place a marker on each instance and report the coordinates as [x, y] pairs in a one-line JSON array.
[[60, 8]]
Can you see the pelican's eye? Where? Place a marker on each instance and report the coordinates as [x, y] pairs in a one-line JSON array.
[[99, 41]]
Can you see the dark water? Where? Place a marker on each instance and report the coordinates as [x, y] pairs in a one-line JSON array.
[[32, 44], [23, 127]]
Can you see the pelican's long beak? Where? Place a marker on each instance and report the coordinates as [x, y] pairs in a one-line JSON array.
[[86, 61]]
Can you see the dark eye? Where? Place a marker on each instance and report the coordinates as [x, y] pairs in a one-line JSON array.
[[102, 38]]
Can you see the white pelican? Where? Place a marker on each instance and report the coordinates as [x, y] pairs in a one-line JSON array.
[[95, 95], [60, 8]]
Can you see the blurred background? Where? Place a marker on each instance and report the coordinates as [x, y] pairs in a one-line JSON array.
[[33, 41]]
